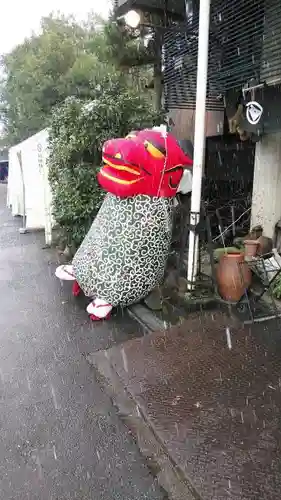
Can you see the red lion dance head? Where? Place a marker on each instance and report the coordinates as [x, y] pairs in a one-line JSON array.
[[145, 162]]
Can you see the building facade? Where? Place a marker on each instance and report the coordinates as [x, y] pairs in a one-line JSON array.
[[244, 84]]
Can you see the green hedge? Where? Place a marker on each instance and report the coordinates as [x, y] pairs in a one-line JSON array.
[[78, 130]]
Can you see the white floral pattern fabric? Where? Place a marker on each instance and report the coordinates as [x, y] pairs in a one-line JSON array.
[[123, 256]]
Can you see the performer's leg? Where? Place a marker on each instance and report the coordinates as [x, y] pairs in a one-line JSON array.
[[99, 309], [76, 290], [66, 273]]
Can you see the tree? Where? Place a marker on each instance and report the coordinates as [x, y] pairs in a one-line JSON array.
[[66, 58], [45, 69], [67, 78]]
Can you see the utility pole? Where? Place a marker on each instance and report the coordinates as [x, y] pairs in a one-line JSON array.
[[199, 139]]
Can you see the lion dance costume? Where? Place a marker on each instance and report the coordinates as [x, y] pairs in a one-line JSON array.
[[123, 256]]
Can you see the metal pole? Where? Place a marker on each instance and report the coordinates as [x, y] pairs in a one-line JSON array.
[[43, 169], [199, 138], [23, 229]]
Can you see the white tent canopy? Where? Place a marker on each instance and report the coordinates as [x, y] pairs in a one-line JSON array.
[[29, 193]]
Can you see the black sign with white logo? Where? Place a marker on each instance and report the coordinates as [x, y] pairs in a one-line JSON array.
[[254, 112]]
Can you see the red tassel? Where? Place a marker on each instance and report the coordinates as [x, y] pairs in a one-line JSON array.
[[76, 290]]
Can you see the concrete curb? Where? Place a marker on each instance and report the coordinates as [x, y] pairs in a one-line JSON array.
[[146, 318], [168, 474]]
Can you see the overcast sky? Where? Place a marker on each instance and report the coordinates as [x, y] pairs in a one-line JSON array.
[[18, 18]]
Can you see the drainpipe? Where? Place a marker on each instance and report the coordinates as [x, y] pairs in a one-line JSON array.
[[199, 139]]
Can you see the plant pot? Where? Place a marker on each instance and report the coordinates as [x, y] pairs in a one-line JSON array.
[[265, 245], [251, 248], [233, 276], [218, 252]]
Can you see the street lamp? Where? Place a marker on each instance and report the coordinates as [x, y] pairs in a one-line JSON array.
[[132, 19]]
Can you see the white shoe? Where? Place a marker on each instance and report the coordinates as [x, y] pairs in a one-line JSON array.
[[99, 308], [65, 273]]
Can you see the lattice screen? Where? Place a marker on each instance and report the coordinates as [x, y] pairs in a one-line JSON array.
[[245, 43]]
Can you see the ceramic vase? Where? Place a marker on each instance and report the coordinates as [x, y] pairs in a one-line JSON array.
[[233, 276]]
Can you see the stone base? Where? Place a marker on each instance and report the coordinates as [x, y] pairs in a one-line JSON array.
[[203, 400]]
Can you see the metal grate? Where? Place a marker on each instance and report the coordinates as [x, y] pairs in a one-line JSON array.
[[180, 68], [245, 43]]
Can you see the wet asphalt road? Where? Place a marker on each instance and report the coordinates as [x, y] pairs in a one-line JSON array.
[[60, 437]]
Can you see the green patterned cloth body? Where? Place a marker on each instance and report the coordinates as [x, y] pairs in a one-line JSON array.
[[123, 256]]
